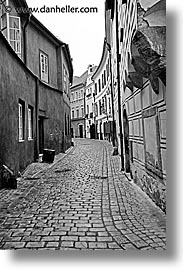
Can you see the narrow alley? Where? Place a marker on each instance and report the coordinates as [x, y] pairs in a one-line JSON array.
[[81, 201]]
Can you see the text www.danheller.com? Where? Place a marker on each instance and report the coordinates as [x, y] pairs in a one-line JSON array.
[[55, 9]]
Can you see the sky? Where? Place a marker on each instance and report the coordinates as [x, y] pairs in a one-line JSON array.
[[83, 32]]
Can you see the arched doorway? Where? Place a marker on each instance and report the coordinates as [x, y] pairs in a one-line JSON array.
[[126, 141]]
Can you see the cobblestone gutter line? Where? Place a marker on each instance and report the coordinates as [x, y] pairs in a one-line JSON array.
[[82, 202], [144, 230]]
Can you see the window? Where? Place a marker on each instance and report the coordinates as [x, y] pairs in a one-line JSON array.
[[100, 107], [92, 108], [99, 85], [44, 66], [15, 34], [4, 17], [73, 96], [88, 110], [96, 109], [102, 81], [65, 80], [30, 123], [109, 106], [95, 88], [82, 93], [77, 113], [104, 77], [21, 124], [105, 104], [82, 111], [107, 68], [72, 113], [10, 26], [76, 95]]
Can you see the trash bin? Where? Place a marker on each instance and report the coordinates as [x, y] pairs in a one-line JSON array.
[[12, 182], [48, 155]]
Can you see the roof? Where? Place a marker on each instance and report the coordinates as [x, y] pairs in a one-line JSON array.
[[101, 60], [80, 79], [161, 5]]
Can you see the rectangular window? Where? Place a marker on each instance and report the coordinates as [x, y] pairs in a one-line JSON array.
[[82, 111], [82, 93], [44, 66], [77, 112], [21, 124], [102, 81], [100, 107], [95, 88], [104, 77], [107, 68], [15, 34], [96, 109], [30, 123], [66, 86], [72, 113], [99, 85], [109, 106], [10, 26]]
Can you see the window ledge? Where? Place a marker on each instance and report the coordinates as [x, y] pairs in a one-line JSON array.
[[21, 140]]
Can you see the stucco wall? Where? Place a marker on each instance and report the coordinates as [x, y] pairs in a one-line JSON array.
[[146, 113], [36, 42], [15, 83], [51, 102]]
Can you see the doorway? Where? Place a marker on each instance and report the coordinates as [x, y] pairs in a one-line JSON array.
[[41, 134], [126, 141], [81, 131], [92, 131]]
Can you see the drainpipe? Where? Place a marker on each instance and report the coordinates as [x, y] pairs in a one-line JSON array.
[[112, 94], [119, 84], [85, 111], [36, 144], [25, 38]]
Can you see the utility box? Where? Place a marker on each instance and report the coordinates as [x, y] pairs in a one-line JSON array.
[[48, 155]]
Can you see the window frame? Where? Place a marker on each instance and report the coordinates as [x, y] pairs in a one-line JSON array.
[[44, 76], [21, 121], [30, 122]]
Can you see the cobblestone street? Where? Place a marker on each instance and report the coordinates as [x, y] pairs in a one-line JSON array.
[[81, 201]]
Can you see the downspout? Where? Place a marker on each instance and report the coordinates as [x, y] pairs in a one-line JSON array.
[[36, 144], [25, 38], [112, 95], [119, 92], [85, 110]]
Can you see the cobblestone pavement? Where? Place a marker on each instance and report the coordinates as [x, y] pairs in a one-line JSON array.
[[80, 202]]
